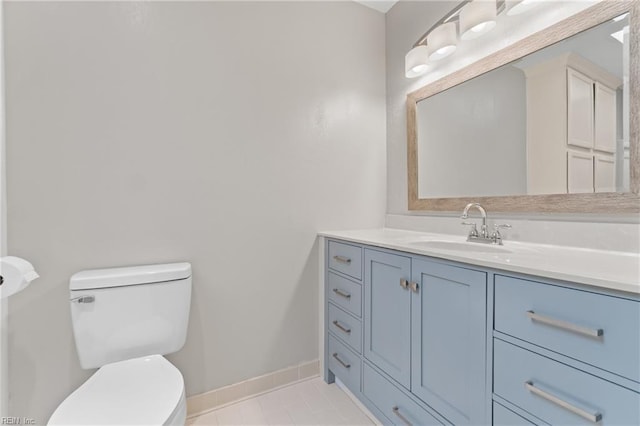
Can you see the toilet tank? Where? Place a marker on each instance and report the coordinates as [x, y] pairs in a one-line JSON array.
[[124, 313]]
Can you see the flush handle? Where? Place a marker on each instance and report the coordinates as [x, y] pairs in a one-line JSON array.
[[83, 299]]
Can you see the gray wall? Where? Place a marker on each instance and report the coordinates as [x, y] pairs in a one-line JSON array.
[[405, 23], [224, 134]]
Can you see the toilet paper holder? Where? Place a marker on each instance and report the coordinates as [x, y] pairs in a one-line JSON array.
[[15, 275]]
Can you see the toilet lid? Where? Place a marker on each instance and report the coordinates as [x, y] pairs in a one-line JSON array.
[[137, 391]]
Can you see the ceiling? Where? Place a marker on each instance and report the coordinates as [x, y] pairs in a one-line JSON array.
[[379, 5]]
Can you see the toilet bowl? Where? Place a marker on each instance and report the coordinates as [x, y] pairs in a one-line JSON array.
[[124, 320], [141, 391]]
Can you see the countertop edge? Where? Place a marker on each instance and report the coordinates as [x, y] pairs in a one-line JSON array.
[[570, 276]]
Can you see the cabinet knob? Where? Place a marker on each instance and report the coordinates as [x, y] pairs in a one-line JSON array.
[[404, 283], [415, 287]]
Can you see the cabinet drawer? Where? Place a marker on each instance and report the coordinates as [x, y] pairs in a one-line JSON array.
[[392, 402], [559, 394], [505, 417], [346, 258], [345, 327], [562, 319], [345, 293], [344, 364]]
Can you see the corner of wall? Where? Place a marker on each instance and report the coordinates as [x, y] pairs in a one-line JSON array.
[[4, 368]]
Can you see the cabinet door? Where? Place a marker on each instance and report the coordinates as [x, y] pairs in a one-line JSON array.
[[604, 173], [387, 318], [605, 119], [579, 172], [579, 109], [448, 320]]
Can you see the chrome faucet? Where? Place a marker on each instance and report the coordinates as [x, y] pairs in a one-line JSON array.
[[483, 213], [483, 236]]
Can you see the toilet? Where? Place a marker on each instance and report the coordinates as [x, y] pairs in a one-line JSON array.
[[124, 321]]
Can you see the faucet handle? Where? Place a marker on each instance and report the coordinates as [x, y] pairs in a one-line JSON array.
[[473, 232], [496, 236]]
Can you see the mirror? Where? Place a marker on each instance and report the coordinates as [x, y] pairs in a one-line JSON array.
[[544, 125]]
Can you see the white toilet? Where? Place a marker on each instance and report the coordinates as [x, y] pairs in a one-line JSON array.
[[124, 320]]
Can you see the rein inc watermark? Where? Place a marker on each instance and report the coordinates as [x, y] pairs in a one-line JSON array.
[[17, 421]]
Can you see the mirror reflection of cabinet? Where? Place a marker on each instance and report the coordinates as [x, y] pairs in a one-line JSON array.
[[571, 127]]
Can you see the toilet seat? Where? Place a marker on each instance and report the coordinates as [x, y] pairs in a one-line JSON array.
[[147, 390]]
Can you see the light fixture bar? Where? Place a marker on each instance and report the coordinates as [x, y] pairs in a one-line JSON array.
[[453, 16]]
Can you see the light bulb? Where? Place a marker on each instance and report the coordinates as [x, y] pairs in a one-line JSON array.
[[416, 61], [477, 18], [442, 41]]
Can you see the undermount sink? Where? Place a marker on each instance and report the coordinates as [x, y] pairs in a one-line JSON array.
[[460, 246]]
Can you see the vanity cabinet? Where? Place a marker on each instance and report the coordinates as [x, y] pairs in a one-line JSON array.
[[424, 339], [387, 313], [448, 341], [571, 126], [566, 355], [439, 342], [425, 327]]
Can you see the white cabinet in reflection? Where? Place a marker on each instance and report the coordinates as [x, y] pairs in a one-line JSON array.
[[571, 126], [605, 114], [579, 109], [604, 173], [579, 172]]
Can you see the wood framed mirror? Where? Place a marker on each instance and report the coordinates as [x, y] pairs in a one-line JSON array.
[[552, 168]]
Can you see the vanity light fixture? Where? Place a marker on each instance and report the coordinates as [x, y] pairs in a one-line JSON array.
[[442, 41], [477, 17], [416, 62], [517, 7], [472, 18]]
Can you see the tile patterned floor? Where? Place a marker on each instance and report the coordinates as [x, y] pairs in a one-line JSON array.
[[311, 402]]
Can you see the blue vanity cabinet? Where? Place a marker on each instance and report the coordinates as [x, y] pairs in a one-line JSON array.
[[387, 313], [422, 340], [448, 323], [565, 354], [343, 311], [425, 327], [505, 417]]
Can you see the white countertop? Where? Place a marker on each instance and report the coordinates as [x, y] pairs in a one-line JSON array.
[[599, 268]]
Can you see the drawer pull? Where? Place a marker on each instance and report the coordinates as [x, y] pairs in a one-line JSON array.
[[396, 411], [565, 325], [342, 259], [594, 418], [337, 324], [344, 364], [342, 293], [404, 283]]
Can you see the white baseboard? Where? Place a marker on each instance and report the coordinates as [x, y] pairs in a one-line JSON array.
[[227, 395]]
